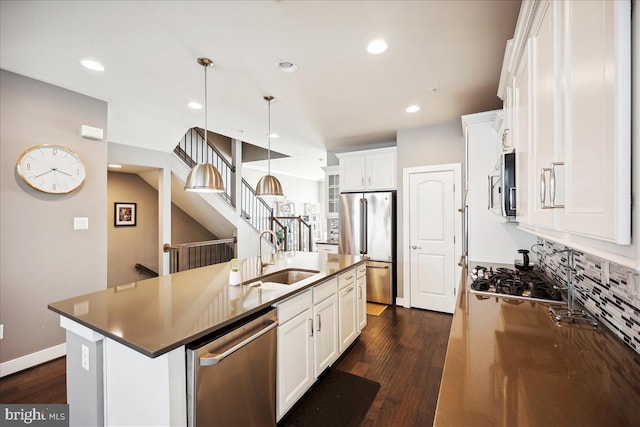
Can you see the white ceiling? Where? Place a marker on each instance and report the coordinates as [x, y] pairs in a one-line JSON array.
[[341, 96]]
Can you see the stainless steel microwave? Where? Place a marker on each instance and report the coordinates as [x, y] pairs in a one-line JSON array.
[[502, 186]]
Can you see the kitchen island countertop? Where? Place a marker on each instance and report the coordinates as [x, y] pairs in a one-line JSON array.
[[509, 364], [155, 316]]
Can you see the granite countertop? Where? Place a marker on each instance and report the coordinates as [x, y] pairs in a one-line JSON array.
[[157, 315], [508, 364]]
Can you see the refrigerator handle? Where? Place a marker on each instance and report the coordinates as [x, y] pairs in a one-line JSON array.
[[363, 233]]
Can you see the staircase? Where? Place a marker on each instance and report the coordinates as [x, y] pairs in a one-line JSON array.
[[193, 149]]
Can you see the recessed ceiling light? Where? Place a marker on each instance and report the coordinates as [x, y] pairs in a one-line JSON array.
[[194, 105], [287, 66], [274, 135], [114, 166], [92, 65], [412, 109], [376, 47]]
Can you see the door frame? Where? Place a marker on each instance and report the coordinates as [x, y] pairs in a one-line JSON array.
[[459, 217]]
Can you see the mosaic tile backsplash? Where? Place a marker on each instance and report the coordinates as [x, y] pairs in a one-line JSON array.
[[606, 290]]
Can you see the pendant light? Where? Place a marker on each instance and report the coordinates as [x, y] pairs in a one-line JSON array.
[[269, 185], [204, 177]]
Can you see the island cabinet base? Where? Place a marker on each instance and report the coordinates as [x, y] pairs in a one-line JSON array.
[[109, 384]]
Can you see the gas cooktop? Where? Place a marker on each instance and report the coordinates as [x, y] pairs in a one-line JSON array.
[[530, 284]]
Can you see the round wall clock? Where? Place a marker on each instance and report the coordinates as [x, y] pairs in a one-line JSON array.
[[51, 169]]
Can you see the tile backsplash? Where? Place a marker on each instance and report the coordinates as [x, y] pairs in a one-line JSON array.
[[606, 290]]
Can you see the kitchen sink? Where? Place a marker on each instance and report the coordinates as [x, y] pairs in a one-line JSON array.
[[280, 278]]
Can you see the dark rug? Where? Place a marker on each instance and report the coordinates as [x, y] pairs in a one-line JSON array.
[[338, 399]]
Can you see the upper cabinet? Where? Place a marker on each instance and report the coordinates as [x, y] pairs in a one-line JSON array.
[[332, 190], [368, 170], [566, 84]]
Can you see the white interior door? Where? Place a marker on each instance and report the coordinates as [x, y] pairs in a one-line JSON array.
[[432, 246]]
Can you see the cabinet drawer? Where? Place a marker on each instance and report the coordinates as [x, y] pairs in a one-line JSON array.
[[330, 249], [325, 290], [291, 307], [346, 278], [361, 270]]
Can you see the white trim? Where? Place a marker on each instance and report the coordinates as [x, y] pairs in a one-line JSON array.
[[80, 330], [33, 359], [456, 168]]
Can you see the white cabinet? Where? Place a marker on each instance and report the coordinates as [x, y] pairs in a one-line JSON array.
[[347, 308], [361, 287], [295, 364], [571, 78], [368, 170], [327, 248], [332, 190], [546, 143], [325, 325], [598, 119]]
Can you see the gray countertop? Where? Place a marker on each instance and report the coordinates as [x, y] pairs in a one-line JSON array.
[[156, 315]]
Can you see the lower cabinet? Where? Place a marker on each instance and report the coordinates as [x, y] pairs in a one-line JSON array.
[[295, 373], [361, 287], [325, 326], [347, 303], [315, 327]]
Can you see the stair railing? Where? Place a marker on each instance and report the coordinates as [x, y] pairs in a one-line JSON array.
[[297, 233], [185, 256], [253, 209], [143, 269]]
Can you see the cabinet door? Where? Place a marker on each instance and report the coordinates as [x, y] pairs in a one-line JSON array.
[[333, 194], [347, 302], [361, 286], [381, 171], [506, 131], [325, 324], [295, 373], [547, 145], [597, 119], [352, 173], [522, 138]]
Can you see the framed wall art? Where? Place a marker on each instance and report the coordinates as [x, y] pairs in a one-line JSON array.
[[124, 214]]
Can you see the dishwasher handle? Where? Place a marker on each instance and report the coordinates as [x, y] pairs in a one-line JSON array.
[[214, 359]]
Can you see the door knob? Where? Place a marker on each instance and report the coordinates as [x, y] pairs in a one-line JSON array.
[[415, 247]]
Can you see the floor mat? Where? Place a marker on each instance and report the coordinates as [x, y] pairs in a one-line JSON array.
[[337, 399], [375, 309]]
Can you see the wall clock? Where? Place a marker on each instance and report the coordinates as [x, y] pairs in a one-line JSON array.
[[51, 169]]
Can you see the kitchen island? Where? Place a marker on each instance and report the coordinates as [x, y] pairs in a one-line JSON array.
[[509, 363], [126, 344]]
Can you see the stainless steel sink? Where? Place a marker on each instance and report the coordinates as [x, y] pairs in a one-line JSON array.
[[284, 277]]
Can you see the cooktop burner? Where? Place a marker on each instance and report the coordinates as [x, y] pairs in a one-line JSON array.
[[530, 284]]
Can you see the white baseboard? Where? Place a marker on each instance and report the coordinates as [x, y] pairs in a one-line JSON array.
[[33, 359], [400, 302]]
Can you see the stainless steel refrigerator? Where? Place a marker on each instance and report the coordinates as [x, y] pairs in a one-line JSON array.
[[368, 227]]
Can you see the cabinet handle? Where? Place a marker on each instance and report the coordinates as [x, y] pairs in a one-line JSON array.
[[552, 184], [512, 200], [349, 290], [490, 199], [319, 322], [362, 181], [369, 180], [543, 188], [359, 292], [310, 327], [504, 139]]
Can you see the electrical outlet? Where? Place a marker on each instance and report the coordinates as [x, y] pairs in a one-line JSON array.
[[85, 357], [1, 332]]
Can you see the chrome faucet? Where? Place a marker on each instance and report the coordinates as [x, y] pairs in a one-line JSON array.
[[262, 265]]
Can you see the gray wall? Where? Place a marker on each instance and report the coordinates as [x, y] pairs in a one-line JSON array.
[[42, 259], [432, 145]]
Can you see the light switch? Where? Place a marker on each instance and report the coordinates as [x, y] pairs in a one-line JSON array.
[[81, 223]]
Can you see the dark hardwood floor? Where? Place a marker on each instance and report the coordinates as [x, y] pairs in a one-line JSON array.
[[403, 349]]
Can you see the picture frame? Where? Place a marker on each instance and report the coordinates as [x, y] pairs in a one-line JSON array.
[[124, 214]]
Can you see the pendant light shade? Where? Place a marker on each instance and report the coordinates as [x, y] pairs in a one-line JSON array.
[[268, 185], [204, 177]]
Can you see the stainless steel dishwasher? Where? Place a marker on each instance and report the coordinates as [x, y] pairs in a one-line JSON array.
[[231, 379]]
